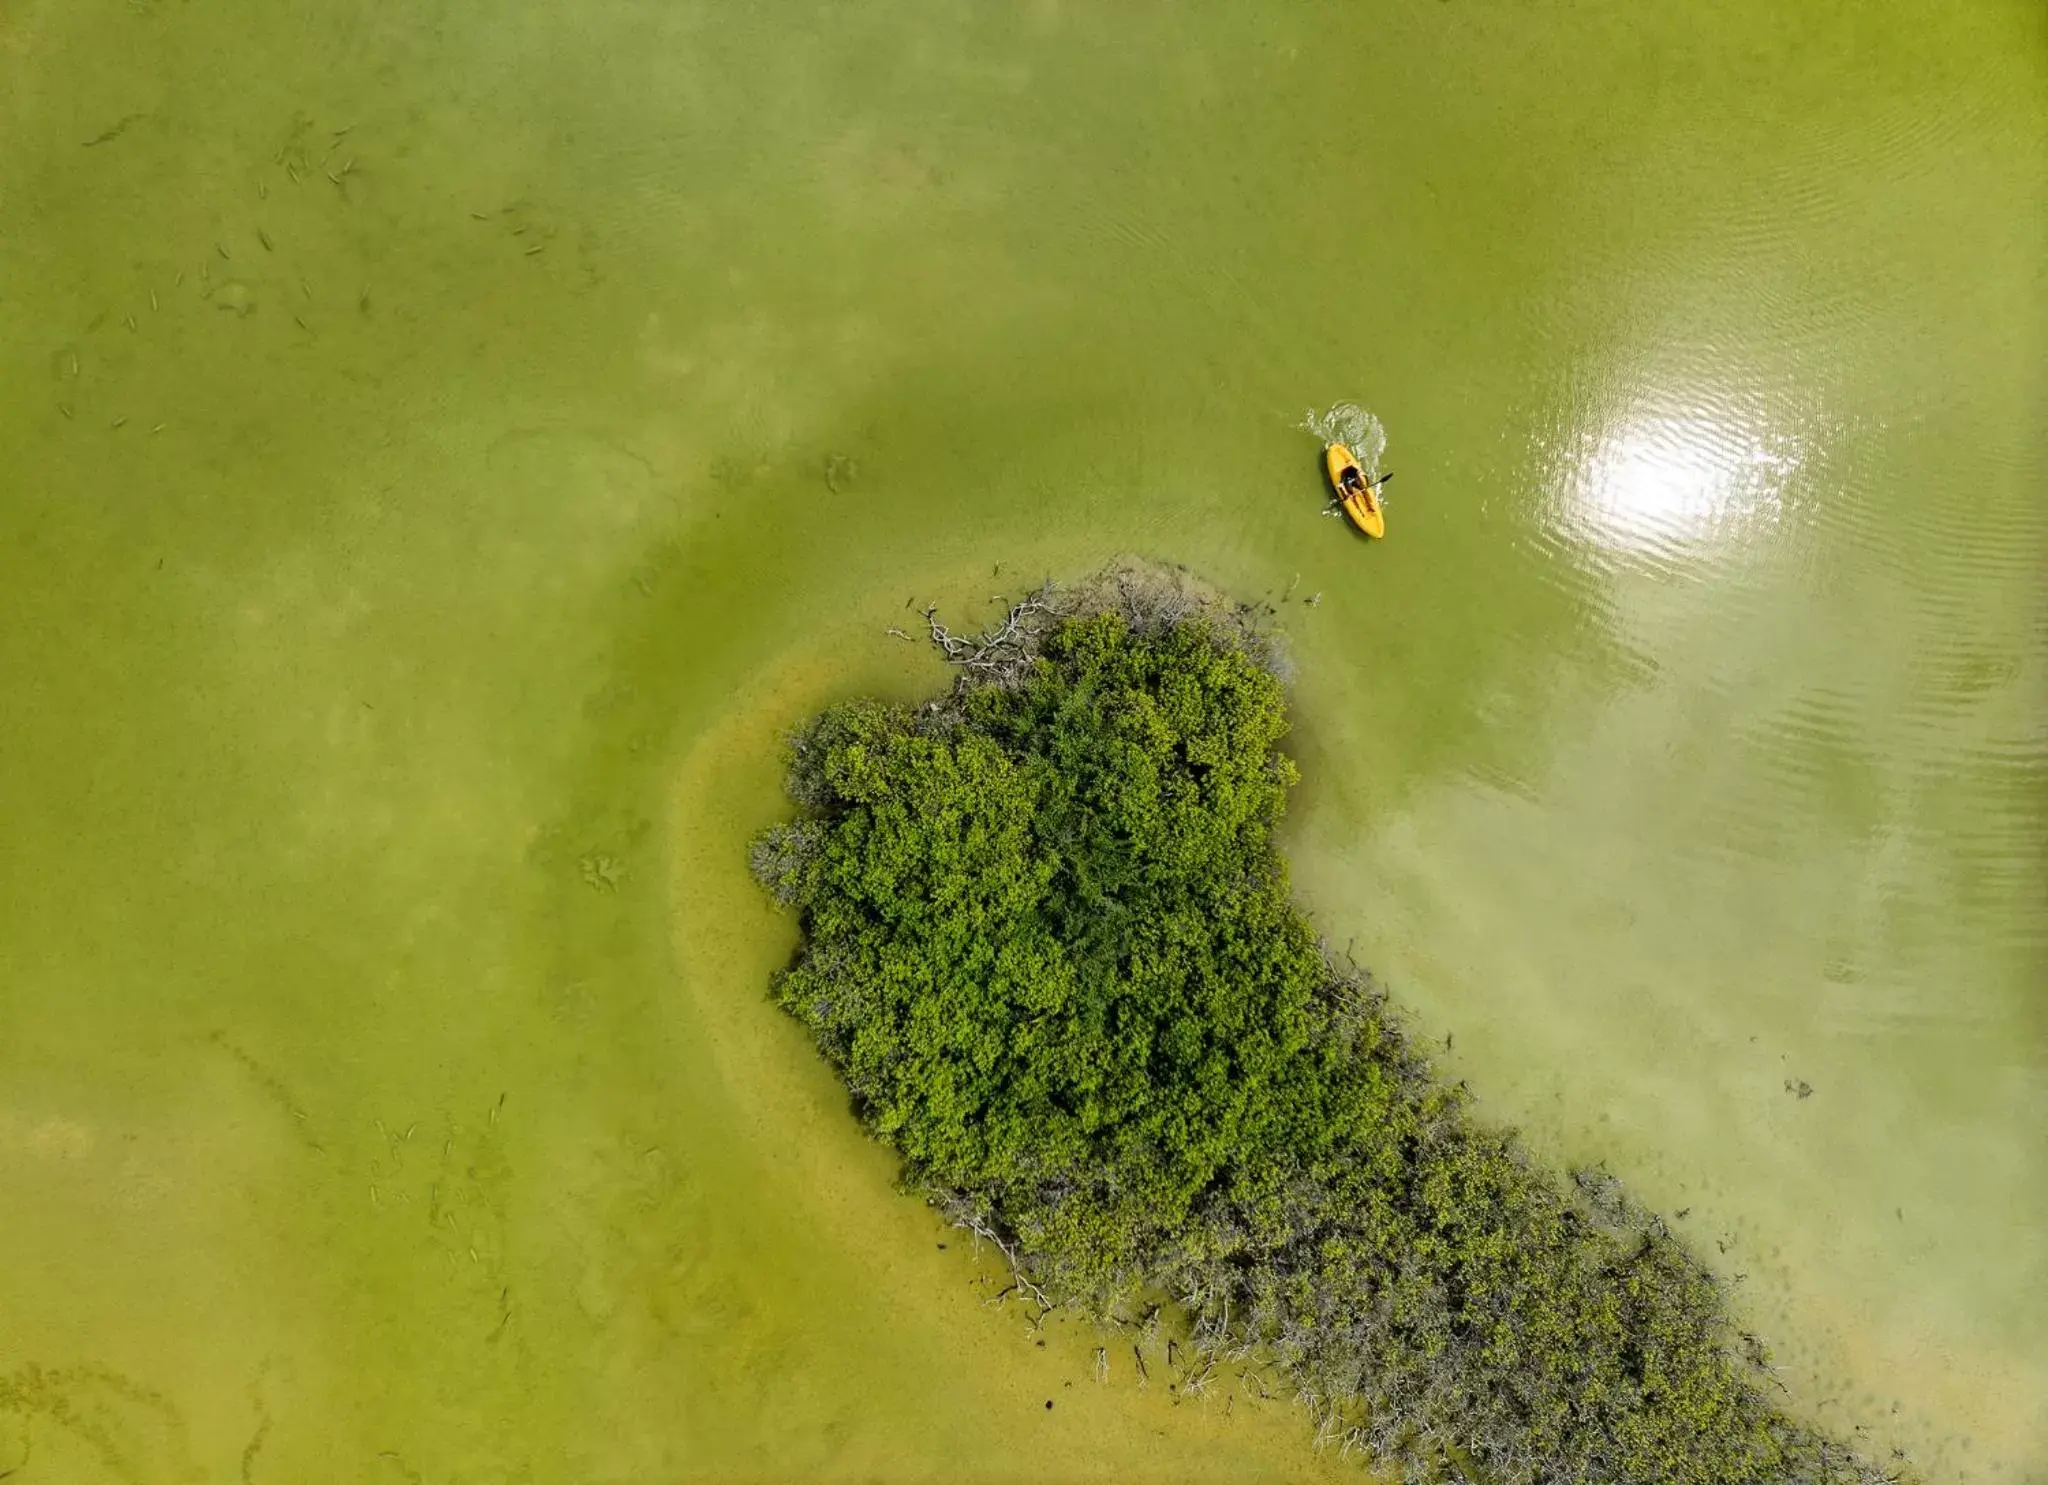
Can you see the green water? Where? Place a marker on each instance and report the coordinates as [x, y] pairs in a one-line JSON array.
[[414, 540]]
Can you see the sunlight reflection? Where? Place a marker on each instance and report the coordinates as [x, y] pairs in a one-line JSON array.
[[1657, 481]]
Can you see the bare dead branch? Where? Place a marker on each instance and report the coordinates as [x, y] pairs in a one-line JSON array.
[[1021, 1284]]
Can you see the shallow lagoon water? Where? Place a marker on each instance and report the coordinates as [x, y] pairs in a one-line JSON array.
[[405, 575]]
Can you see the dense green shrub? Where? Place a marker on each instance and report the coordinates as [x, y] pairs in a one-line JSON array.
[[1049, 945]]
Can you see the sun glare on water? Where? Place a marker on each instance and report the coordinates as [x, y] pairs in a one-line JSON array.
[[1661, 482]]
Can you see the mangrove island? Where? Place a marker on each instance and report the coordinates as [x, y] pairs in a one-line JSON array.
[[1049, 945]]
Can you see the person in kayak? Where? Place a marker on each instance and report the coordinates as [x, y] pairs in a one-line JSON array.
[[1355, 482]]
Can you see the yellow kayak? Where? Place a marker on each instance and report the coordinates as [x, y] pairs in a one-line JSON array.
[[1359, 500]]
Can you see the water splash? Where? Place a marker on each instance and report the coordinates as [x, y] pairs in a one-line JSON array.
[[1358, 430]]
